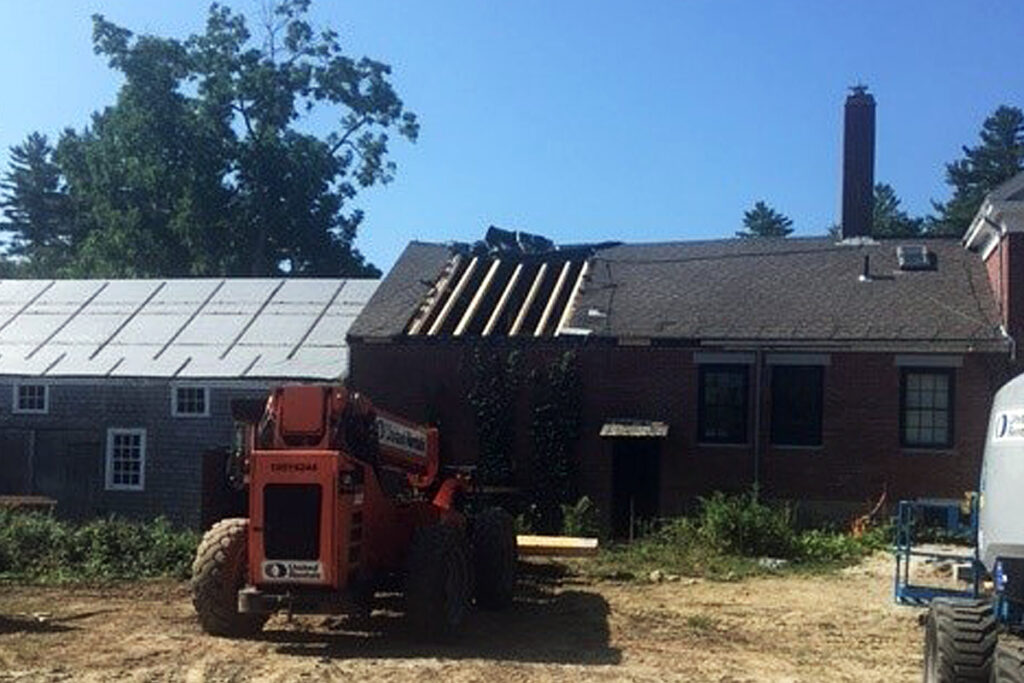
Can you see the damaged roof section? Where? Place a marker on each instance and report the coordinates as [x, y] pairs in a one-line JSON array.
[[511, 284]]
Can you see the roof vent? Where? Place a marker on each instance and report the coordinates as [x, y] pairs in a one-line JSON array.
[[915, 258]]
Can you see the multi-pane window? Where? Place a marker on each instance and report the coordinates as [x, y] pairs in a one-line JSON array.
[[31, 398], [126, 459], [190, 402], [723, 404], [926, 410], [796, 404]]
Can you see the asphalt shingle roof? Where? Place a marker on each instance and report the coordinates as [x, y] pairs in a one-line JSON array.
[[794, 289]]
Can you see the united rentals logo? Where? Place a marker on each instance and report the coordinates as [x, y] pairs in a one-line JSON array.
[[1009, 426], [295, 571], [293, 467], [397, 435]]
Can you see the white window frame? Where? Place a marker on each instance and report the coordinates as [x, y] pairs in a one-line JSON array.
[[175, 408], [15, 399], [131, 431]]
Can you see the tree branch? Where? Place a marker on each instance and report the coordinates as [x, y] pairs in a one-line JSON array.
[[344, 138]]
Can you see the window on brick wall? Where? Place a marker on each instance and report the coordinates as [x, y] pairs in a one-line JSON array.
[[796, 404], [190, 401], [926, 407], [723, 404], [126, 459], [31, 398]]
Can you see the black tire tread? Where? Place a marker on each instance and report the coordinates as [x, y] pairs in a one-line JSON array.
[[965, 632], [1008, 663], [436, 550], [218, 571], [495, 556]]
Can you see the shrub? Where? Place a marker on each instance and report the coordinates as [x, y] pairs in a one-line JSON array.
[[39, 547], [743, 525], [580, 519]]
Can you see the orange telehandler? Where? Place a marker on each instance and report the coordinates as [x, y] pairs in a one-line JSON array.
[[345, 500]]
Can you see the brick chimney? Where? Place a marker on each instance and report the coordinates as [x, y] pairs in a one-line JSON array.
[[858, 163]]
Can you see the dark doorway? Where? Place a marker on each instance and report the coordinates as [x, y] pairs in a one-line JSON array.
[[15, 462], [635, 479], [82, 481]]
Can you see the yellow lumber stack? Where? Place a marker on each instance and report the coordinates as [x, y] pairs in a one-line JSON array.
[[556, 546]]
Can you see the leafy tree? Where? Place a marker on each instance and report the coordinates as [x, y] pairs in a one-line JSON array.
[[36, 208], [764, 221], [888, 219], [999, 157], [203, 164]]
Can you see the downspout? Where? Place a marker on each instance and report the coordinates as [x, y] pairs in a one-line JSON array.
[[1012, 341], [758, 358]]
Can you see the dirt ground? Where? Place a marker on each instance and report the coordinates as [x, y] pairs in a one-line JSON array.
[[839, 627]]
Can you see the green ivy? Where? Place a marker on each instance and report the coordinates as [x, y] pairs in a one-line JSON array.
[[555, 430], [495, 379]]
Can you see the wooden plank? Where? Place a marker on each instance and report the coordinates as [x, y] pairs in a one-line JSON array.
[[570, 305], [38, 503], [474, 303], [556, 546], [530, 296], [503, 301], [543, 322], [456, 293], [435, 295]]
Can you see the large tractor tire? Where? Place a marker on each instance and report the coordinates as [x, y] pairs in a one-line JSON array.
[[218, 571], [960, 637], [494, 558], [1008, 665], [438, 581]]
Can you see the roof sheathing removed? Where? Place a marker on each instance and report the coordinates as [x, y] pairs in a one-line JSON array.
[[500, 294], [230, 329]]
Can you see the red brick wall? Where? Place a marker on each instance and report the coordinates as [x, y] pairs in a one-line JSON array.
[[861, 454], [1005, 266]]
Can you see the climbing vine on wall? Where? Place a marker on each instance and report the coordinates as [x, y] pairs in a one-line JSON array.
[[555, 429], [495, 380]]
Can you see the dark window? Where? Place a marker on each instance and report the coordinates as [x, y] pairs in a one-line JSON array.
[[191, 401], [31, 398], [723, 404], [796, 404], [926, 407]]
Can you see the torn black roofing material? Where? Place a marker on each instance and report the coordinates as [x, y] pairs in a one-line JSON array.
[[746, 290]]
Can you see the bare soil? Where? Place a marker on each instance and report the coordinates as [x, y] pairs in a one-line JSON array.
[[836, 627]]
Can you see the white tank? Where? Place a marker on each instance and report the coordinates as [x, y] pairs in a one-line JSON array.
[[1001, 504]]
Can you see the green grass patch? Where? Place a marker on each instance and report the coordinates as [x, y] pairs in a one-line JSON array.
[[39, 548]]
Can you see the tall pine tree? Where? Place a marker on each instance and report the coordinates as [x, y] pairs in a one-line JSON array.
[[36, 207], [764, 221], [998, 158], [888, 219]]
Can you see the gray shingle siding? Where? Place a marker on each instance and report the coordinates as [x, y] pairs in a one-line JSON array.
[[68, 445]]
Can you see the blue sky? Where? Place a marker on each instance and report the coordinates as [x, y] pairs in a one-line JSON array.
[[588, 120]]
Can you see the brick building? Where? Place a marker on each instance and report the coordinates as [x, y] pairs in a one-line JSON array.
[[825, 370], [112, 391]]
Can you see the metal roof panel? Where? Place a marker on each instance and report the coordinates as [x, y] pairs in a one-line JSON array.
[[179, 328]]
